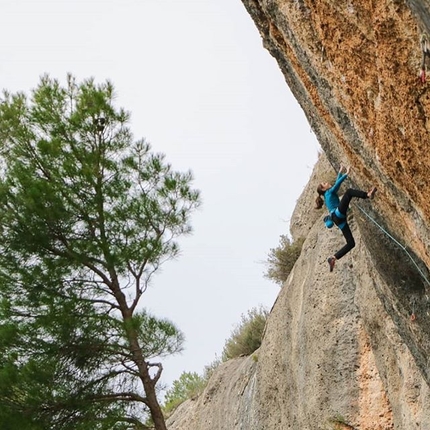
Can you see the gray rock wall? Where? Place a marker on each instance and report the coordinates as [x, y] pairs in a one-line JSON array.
[[331, 358], [341, 350]]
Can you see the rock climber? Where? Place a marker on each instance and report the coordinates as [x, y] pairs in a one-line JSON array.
[[337, 208]]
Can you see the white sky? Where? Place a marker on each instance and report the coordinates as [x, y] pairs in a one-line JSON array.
[[203, 90]]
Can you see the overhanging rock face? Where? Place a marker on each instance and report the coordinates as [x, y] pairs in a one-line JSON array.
[[354, 68], [341, 350]]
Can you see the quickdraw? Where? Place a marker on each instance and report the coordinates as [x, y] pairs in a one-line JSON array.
[[425, 54]]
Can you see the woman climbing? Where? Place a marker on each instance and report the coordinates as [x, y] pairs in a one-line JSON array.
[[338, 209]]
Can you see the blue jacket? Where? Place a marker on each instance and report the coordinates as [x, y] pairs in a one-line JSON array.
[[331, 198]]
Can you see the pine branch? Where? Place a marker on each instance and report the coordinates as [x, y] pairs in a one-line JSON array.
[[126, 396]]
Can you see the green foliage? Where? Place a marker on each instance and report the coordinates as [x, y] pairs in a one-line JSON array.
[[247, 336], [189, 385], [60, 372], [245, 340], [282, 259], [158, 337], [88, 216], [339, 423]]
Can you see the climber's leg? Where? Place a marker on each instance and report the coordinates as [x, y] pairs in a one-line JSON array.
[[346, 199], [350, 242]]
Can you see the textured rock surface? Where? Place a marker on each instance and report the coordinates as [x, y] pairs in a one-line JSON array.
[[353, 66], [340, 350], [331, 354]]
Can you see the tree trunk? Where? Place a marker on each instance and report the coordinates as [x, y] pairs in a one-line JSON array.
[[147, 382], [154, 406]]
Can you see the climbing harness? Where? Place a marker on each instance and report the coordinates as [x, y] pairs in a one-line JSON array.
[[329, 220], [413, 315], [425, 53]]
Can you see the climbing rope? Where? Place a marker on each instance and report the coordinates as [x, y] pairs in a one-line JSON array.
[[426, 52], [396, 242], [414, 302]]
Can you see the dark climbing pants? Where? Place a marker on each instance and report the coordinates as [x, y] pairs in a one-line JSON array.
[[346, 231], [350, 242]]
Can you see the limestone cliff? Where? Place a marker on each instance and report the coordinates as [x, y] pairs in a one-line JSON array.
[[331, 353], [341, 350]]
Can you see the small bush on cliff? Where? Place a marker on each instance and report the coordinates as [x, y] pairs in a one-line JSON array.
[[210, 368], [247, 336], [244, 340], [340, 423], [189, 385], [281, 260]]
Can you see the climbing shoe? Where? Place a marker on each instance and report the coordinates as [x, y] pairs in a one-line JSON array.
[[331, 262], [371, 193]]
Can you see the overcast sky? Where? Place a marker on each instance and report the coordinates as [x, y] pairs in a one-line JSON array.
[[203, 90]]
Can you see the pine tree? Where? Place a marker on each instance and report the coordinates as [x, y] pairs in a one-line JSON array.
[[88, 216]]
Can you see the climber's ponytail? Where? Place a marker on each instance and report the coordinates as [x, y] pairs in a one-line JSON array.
[[319, 201]]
